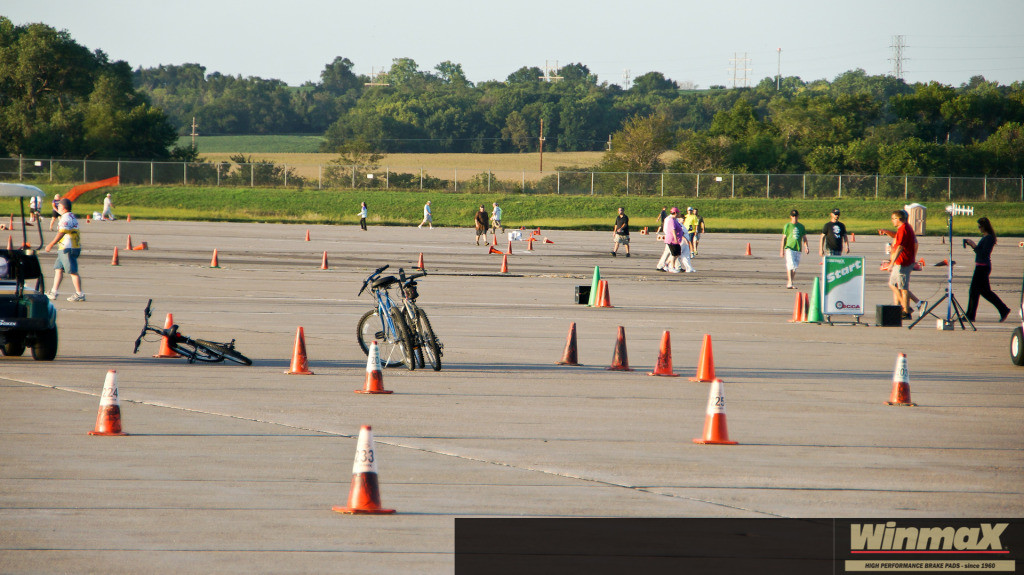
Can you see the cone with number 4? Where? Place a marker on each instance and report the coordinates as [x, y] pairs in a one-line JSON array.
[[108, 420], [364, 495], [716, 431], [901, 383]]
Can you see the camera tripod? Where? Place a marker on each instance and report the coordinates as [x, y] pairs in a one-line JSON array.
[[953, 307]]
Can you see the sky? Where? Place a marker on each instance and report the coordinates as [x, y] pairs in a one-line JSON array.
[[694, 43]]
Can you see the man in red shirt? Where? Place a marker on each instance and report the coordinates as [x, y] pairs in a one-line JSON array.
[[901, 260]]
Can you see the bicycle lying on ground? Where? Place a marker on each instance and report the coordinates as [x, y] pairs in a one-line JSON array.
[[403, 334], [192, 349]]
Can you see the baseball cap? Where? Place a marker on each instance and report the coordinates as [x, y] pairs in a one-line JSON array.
[[835, 211], [66, 203], [674, 210], [794, 213], [689, 208]]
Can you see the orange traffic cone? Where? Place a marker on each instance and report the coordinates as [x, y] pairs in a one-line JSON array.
[[529, 244], [664, 365], [419, 264], [797, 306], [804, 305], [129, 220], [300, 364], [715, 429], [364, 495], [493, 250], [620, 362], [88, 219], [307, 235], [128, 244], [748, 249], [570, 357], [510, 246], [901, 383], [323, 263], [604, 297], [374, 377], [504, 264], [213, 261], [706, 365], [108, 420], [142, 246], [10, 242], [165, 351], [10, 226], [547, 241]]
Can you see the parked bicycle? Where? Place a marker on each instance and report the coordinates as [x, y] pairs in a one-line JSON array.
[[425, 342], [192, 349], [385, 324]]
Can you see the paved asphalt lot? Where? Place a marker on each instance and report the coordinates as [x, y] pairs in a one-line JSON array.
[[232, 469]]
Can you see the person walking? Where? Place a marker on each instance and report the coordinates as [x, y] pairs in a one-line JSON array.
[[70, 248], [56, 214], [362, 216], [700, 230], [661, 220], [480, 223], [34, 208], [428, 217], [980, 287], [108, 208], [690, 222], [496, 219], [669, 261], [794, 236], [833, 236], [620, 233], [901, 260]]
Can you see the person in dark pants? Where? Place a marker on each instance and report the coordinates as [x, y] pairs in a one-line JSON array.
[[982, 269]]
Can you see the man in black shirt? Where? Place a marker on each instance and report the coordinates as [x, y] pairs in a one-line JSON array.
[[833, 236], [620, 235]]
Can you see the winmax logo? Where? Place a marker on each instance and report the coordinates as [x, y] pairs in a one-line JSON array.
[[5, 323], [886, 536]]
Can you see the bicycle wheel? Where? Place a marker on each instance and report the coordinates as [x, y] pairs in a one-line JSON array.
[[428, 341], [409, 313], [402, 335], [224, 351], [369, 329], [193, 352]]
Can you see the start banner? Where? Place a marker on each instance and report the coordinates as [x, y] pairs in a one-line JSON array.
[[842, 285]]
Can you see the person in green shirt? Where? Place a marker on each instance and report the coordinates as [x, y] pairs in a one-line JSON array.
[[794, 236]]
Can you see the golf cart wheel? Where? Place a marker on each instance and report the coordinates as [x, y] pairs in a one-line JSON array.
[[14, 348], [1017, 346], [45, 347]]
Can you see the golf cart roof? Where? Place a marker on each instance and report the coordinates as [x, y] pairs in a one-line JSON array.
[[19, 191]]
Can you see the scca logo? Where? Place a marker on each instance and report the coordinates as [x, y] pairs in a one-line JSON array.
[[842, 305], [833, 276]]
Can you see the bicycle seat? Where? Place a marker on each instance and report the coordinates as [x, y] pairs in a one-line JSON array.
[[383, 282]]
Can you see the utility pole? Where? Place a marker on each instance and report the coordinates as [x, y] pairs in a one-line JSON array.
[[377, 78], [625, 79], [736, 69], [778, 76], [898, 44], [550, 72], [542, 144], [194, 132]]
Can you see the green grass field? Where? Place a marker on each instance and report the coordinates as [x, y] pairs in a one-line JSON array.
[[544, 211]]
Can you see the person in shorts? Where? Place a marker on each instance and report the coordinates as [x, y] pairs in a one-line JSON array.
[[55, 215], [496, 219], [620, 233], [428, 216], [70, 248], [833, 236], [794, 236], [901, 260], [480, 223]]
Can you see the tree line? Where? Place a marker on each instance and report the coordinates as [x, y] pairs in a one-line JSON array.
[[58, 99]]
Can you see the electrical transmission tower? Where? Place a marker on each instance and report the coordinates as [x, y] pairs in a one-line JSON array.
[[898, 45], [737, 79], [550, 72]]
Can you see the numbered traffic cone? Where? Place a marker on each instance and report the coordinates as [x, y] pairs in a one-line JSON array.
[[814, 307], [571, 356], [748, 249], [323, 263], [300, 364], [706, 365], [664, 365], [716, 431], [364, 495], [901, 383], [594, 284], [128, 244], [307, 235], [165, 351], [419, 264], [108, 420], [620, 362], [504, 264], [604, 296], [213, 261], [374, 377]]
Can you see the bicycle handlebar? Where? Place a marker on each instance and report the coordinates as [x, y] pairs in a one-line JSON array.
[[371, 277], [147, 313]]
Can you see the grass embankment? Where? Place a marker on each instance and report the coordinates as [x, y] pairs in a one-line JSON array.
[[544, 211]]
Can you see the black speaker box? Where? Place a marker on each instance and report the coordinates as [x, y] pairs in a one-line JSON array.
[[583, 294], [889, 315]]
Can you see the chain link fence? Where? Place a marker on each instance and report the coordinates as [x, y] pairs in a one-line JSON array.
[[333, 176]]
